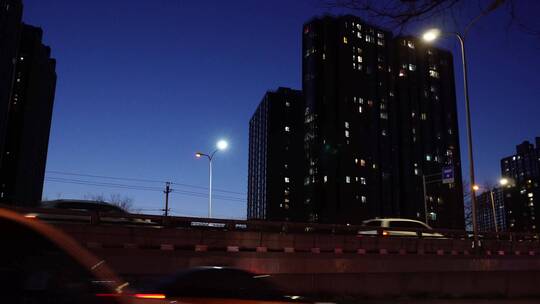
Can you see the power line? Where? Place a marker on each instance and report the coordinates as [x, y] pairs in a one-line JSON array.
[[141, 180], [138, 187]]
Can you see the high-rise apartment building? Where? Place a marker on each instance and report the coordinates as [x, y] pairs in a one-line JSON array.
[[380, 114], [28, 120], [275, 157], [427, 132], [10, 29], [379, 118], [523, 172]]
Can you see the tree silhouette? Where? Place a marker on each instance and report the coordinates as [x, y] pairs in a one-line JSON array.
[[399, 14], [123, 202]]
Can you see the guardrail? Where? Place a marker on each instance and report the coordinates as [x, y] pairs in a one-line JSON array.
[[97, 218]]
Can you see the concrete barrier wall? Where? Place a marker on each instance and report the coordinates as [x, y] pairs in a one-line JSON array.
[[369, 276], [215, 240]]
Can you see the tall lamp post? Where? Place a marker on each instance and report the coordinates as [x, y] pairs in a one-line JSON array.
[[220, 146], [432, 35]]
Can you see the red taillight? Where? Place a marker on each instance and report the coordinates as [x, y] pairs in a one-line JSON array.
[[149, 296]]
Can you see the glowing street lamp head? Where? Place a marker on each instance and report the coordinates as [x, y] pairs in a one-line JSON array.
[[476, 187], [504, 181], [431, 35], [198, 155], [222, 144]]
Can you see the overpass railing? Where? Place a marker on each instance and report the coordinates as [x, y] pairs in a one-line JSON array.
[[100, 218]]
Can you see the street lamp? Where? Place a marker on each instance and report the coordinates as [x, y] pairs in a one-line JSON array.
[[220, 146], [504, 181], [430, 36]]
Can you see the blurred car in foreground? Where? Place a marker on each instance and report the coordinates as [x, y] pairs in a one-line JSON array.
[[41, 264], [108, 213], [220, 285], [385, 225]]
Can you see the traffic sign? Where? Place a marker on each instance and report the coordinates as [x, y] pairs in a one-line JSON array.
[[448, 175]]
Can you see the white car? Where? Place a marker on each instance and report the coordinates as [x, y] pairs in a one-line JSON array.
[[385, 225]]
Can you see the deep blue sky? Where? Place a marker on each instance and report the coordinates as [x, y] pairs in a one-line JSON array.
[[143, 84]]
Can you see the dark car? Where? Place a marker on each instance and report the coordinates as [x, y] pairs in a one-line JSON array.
[[202, 284]]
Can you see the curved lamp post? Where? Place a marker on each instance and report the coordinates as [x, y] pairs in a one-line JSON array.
[[220, 146], [432, 35]]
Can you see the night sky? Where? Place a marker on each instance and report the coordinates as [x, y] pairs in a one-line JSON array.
[[143, 85]]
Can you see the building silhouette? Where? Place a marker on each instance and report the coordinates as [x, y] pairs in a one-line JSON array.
[[26, 110], [427, 134], [275, 154], [10, 29], [523, 171], [379, 115]]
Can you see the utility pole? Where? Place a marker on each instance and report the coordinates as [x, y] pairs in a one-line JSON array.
[[167, 191]]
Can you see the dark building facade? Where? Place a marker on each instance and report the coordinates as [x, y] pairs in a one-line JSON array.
[[28, 121], [379, 113], [275, 154], [10, 29], [349, 165], [490, 210], [523, 171], [427, 132]]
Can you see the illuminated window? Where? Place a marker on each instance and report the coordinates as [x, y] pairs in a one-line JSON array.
[[402, 73], [433, 73], [358, 26], [530, 194], [359, 35], [380, 35], [370, 39], [346, 133], [412, 67], [345, 40], [348, 179], [423, 116], [428, 157], [363, 180], [410, 44], [359, 58], [287, 129], [287, 180], [362, 163], [364, 199], [346, 124], [384, 115], [416, 172], [287, 104], [360, 109]]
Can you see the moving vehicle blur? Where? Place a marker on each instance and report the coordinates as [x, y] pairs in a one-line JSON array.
[[108, 213], [220, 285], [41, 264], [384, 226]]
